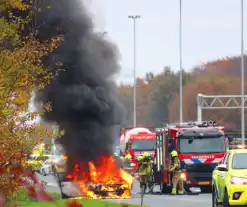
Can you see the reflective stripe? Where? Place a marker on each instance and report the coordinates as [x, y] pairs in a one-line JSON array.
[[197, 161]]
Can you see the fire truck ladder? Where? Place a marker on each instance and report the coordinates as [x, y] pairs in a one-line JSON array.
[[218, 102]]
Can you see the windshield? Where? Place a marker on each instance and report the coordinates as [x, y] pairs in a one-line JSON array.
[[202, 144], [239, 161], [143, 145]]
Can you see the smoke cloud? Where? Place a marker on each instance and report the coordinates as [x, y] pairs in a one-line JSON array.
[[83, 97]]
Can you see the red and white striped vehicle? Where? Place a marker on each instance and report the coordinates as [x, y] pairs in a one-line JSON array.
[[201, 146]]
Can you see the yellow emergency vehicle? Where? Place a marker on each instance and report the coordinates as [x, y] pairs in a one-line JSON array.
[[230, 180]]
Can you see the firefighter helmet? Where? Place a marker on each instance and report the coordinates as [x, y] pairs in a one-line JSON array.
[[128, 157], [128, 143], [146, 154], [139, 158], [174, 153]]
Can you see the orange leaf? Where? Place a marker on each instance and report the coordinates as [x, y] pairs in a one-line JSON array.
[[31, 192], [17, 170], [74, 204], [2, 170], [43, 197]]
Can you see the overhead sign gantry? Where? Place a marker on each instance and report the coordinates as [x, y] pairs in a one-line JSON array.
[[218, 102]]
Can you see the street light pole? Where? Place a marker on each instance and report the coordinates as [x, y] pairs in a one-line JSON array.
[[180, 62], [242, 74], [134, 18]]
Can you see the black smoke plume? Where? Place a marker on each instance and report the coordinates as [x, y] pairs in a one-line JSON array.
[[83, 97]]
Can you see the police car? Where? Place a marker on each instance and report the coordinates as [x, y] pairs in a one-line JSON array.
[[230, 180]]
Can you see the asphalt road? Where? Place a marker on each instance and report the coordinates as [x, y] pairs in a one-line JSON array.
[[156, 200]]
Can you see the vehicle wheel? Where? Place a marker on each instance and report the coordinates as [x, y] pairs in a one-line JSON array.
[[165, 189], [214, 198], [43, 172], [226, 200], [206, 189], [65, 196], [186, 188]]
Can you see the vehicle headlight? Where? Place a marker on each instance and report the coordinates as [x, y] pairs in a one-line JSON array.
[[183, 176], [238, 180]]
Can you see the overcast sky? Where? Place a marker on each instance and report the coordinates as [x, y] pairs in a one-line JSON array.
[[211, 29]]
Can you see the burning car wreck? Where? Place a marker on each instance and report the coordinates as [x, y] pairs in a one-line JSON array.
[[106, 180], [83, 100]]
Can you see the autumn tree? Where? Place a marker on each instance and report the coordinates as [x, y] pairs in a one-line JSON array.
[[162, 89], [142, 101], [209, 84], [21, 74], [230, 66]]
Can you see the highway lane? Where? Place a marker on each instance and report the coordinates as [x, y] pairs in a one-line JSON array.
[[156, 200]]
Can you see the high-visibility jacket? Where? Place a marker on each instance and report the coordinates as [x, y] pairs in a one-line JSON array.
[[175, 165], [145, 166]]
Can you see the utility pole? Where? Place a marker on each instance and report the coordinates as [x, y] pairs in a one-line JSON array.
[[180, 63], [134, 18], [242, 74]]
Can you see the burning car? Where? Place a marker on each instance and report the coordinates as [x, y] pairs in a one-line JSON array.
[[104, 180]]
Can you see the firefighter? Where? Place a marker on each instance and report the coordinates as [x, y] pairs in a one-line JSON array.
[[126, 160], [141, 171], [128, 148], [176, 171], [147, 157], [145, 170]]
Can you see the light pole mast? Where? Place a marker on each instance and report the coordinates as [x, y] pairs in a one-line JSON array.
[[134, 18], [180, 63], [242, 74]]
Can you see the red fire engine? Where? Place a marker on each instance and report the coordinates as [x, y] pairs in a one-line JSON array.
[[201, 146], [142, 139]]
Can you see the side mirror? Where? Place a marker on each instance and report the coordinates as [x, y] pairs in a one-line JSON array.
[[222, 167], [221, 162]]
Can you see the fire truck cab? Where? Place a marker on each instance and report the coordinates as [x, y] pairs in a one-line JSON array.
[[201, 146], [143, 140]]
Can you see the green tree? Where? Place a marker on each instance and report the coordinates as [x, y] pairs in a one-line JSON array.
[[163, 88], [125, 93]]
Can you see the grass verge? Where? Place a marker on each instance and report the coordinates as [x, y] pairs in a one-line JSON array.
[[84, 202], [22, 200]]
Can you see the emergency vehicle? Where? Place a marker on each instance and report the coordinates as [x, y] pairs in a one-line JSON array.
[[142, 139], [230, 180], [201, 146]]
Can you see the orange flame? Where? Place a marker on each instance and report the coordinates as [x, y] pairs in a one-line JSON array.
[[104, 180]]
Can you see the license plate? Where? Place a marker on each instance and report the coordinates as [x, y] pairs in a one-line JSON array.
[[204, 183]]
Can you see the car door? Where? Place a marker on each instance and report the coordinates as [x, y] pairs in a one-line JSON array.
[[222, 177]]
